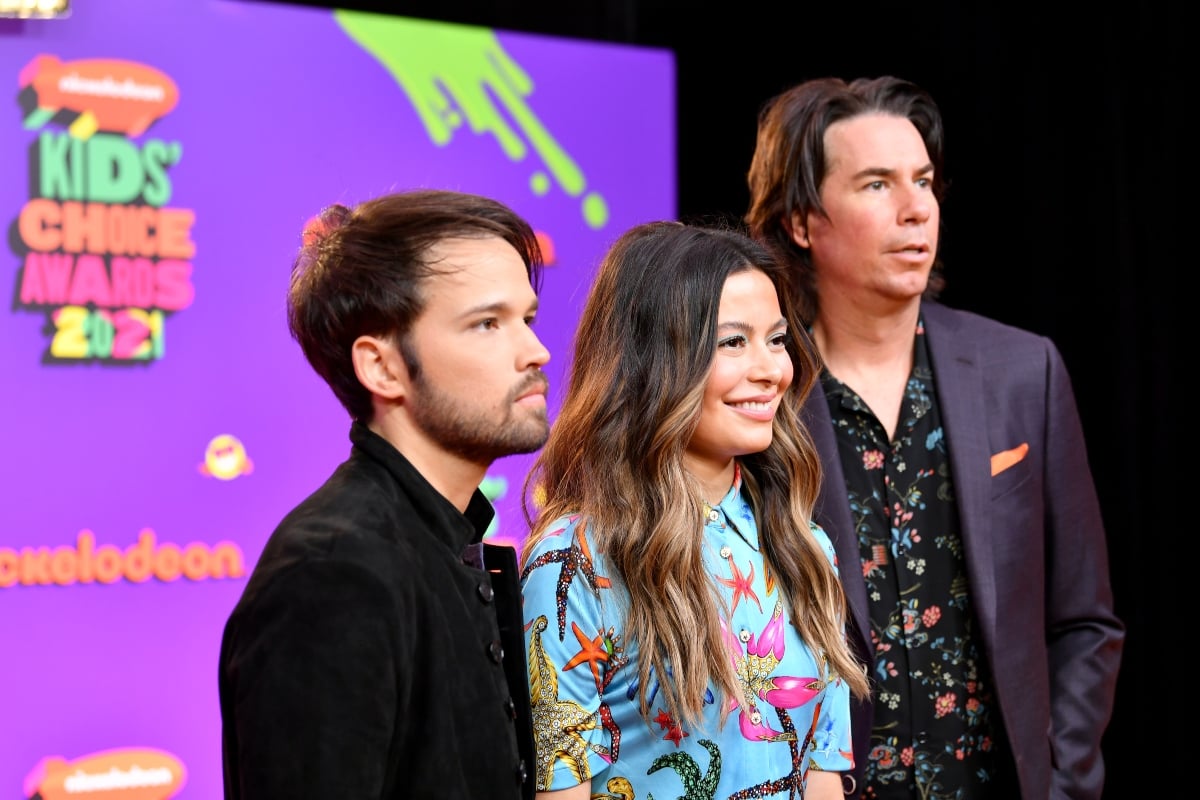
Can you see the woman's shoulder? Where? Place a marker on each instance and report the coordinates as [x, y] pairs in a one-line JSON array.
[[558, 534]]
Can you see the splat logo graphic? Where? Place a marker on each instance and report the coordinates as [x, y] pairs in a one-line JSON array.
[[134, 773], [101, 252], [225, 458]]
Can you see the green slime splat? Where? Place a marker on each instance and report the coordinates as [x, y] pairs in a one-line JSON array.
[[447, 71]]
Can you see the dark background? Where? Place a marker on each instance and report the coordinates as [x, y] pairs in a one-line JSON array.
[[1064, 159]]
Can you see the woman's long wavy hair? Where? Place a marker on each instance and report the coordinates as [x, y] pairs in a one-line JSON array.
[[642, 355]]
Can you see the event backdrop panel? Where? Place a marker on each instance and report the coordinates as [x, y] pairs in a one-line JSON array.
[[157, 163]]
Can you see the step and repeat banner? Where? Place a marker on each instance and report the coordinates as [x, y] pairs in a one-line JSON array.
[[158, 161]]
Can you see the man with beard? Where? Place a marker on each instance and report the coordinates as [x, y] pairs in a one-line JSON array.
[[376, 651]]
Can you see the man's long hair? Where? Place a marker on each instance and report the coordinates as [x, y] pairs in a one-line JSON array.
[[789, 163]]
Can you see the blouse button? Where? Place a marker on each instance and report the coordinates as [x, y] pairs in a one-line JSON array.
[[486, 592], [744, 635], [496, 651], [756, 717], [713, 515], [726, 551]]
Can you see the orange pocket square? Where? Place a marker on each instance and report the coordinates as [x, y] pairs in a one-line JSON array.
[[1006, 458]]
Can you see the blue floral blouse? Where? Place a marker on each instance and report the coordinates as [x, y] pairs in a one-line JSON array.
[[583, 679]]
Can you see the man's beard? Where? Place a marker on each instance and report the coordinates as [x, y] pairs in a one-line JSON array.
[[471, 432]]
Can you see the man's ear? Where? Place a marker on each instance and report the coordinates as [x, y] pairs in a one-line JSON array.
[[379, 367], [799, 229]]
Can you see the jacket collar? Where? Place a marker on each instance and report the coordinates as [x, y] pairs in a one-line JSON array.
[[458, 529]]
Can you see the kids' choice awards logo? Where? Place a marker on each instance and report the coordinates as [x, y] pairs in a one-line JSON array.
[[102, 253]]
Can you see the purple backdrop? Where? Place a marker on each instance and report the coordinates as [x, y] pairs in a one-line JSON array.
[[125, 513]]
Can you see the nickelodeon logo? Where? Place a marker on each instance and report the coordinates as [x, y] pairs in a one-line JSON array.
[[147, 558], [132, 773], [99, 94]]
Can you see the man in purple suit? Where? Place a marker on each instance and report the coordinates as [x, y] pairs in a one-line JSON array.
[[957, 489]]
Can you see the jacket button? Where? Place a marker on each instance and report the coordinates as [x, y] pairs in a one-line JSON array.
[[522, 772], [510, 707], [922, 737], [485, 592], [496, 651]]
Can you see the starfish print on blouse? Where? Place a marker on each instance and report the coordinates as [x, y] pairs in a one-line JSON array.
[[552, 718], [695, 785], [674, 731], [755, 670], [603, 650], [741, 585], [575, 558], [794, 780]]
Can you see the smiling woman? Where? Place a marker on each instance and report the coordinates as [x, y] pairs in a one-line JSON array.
[[672, 548], [750, 373]]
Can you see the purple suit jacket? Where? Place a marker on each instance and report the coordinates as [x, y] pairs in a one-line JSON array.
[[1034, 542]]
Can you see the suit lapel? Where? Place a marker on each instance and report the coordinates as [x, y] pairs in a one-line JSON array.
[[833, 514], [958, 376]]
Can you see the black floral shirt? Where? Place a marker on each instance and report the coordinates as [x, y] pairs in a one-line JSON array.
[[934, 712]]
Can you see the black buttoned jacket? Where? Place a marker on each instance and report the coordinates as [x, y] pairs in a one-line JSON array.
[[376, 651]]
